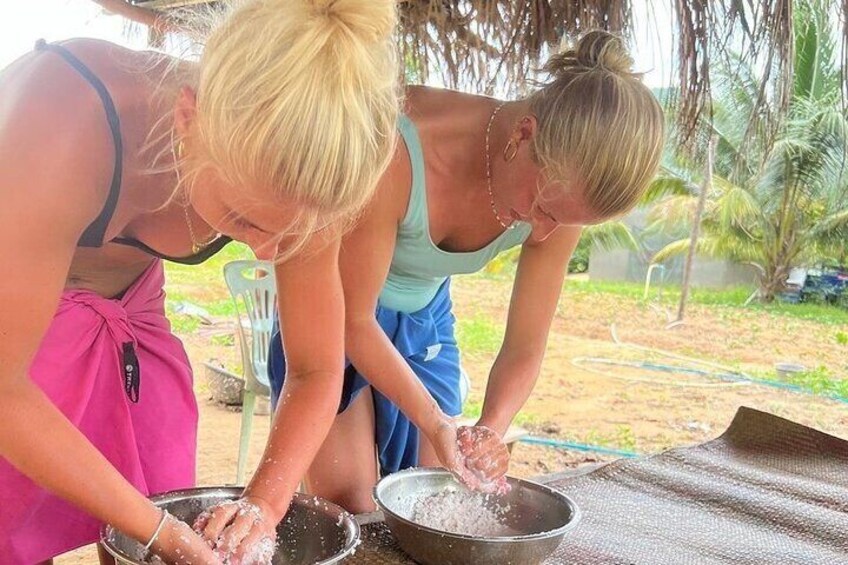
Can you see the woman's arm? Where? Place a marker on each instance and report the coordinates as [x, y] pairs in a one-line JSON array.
[[538, 283], [327, 303], [474, 455], [311, 309], [365, 260], [50, 170], [312, 312]]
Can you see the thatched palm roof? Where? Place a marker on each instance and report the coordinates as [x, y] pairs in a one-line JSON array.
[[470, 42]]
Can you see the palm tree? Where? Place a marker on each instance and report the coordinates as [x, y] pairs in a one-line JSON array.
[[780, 194]]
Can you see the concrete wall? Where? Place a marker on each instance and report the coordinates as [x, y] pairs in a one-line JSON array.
[[623, 265]]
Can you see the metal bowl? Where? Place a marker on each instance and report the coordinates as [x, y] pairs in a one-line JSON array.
[[314, 531], [539, 514]]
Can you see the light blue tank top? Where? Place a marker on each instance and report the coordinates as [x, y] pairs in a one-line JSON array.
[[418, 266]]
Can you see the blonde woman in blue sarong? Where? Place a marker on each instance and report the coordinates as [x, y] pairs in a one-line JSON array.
[[474, 177]]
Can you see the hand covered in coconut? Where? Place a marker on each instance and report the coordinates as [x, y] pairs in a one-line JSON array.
[[443, 437], [177, 544], [239, 532], [486, 458]]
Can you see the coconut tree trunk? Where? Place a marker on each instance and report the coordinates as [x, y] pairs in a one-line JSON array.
[[696, 228], [774, 278], [772, 283]]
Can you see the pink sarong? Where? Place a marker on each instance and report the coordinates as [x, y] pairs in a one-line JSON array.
[[81, 367]]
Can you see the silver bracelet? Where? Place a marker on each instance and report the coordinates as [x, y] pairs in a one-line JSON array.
[[158, 530]]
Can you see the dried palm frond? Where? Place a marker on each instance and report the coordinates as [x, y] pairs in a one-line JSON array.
[[492, 46]]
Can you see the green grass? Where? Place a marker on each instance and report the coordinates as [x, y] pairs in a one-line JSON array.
[[623, 438], [478, 335], [526, 419], [197, 283], [180, 323], [474, 408], [224, 340], [218, 307], [821, 381], [209, 272], [725, 297], [204, 285], [732, 297], [829, 315]]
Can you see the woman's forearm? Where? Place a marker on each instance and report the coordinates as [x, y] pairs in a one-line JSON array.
[[376, 358], [43, 445], [305, 413], [308, 405], [511, 382]]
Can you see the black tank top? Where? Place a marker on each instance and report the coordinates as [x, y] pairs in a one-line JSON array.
[[96, 231]]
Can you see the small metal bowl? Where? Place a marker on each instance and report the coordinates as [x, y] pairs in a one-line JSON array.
[[540, 514], [314, 531]]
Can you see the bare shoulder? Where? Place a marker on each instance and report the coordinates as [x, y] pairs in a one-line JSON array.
[[56, 149], [391, 196], [114, 64], [425, 100]]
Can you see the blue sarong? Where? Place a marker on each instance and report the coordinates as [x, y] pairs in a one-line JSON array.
[[425, 339]]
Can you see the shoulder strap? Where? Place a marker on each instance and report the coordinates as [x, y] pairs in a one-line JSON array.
[[195, 259], [95, 232]]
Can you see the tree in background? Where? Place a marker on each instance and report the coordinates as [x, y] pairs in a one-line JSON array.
[[780, 188]]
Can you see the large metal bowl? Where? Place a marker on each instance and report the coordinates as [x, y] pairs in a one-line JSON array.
[[313, 532], [541, 515]]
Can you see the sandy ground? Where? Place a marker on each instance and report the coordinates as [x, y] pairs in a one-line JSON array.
[[629, 409]]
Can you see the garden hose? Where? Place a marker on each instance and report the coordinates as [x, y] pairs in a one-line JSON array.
[[726, 375]]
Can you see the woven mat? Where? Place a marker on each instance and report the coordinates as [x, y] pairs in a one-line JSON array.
[[768, 491]]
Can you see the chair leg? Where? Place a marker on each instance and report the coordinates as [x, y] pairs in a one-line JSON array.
[[248, 406]]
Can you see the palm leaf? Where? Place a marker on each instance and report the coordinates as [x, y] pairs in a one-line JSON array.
[[666, 185], [671, 215], [707, 246], [834, 224], [671, 250], [734, 201], [613, 234]]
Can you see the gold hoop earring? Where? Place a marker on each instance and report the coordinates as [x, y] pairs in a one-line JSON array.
[[179, 149], [510, 150]]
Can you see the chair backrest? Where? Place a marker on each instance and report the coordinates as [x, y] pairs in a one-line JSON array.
[[254, 292]]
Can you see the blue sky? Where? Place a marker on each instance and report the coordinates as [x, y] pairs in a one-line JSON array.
[[26, 21]]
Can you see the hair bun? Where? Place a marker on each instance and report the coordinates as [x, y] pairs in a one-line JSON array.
[[594, 50], [367, 19]]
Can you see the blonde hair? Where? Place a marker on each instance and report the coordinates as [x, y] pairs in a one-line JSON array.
[[598, 121], [300, 97]]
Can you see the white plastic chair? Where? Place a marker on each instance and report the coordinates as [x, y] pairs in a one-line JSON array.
[[254, 292]]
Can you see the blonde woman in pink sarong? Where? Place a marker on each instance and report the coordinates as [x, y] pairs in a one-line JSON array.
[[112, 160]]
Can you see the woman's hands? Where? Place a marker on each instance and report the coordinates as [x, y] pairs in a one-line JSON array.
[[240, 532], [486, 457], [476, 455], [177, 544]]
